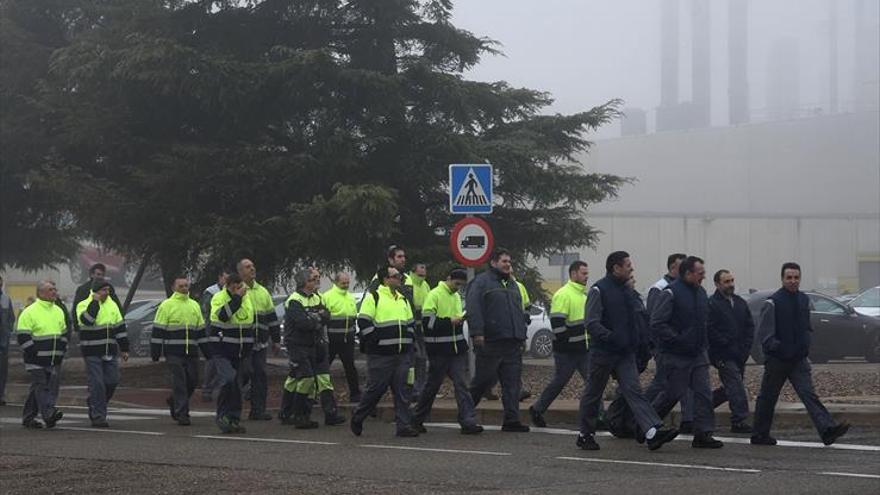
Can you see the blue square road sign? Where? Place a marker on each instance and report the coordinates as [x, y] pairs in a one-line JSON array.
[[470, 189]]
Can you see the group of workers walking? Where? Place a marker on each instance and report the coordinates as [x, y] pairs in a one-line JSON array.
[[414, 338]]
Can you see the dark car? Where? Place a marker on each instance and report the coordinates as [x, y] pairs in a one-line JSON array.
[[838, 331]]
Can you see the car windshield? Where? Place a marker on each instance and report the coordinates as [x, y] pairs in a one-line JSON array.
[[142, 310], [868, 299], [825, 305]]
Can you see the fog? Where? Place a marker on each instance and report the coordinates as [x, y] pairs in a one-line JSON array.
[[586, 52]]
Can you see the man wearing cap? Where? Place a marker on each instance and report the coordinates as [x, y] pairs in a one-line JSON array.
[[102, 336]]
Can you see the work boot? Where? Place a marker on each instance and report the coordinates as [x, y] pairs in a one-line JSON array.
[[357, 427], [302, 422], [32, 424], [225, 424], [832, 434], [741, 428], [331, 412], [100, 423], [183, 421], [57, 415], [537, 417], [237, 428], [704, 440], [468, 429], [420, 427], [259, 416], [586, 442], [407, 433], [170, 402], [686, 427], [516, 427], [335, 419], [763, 440], [661, 436]]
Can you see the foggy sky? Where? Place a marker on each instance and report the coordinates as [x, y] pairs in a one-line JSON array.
[[585, 52]]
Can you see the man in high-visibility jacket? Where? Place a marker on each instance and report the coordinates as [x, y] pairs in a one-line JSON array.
[[443, 322], [230, 342], [102, 336], [570, 342], [305, 321], [268, 326], [385, 321], [420, 289], [178, 332], [341, 329], [42, 337]]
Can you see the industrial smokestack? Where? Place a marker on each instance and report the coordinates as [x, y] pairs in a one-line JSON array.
[[832, 56], [668, 53], [701, 72], [738, 61]]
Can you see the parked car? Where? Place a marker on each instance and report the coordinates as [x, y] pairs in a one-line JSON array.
[[867, 303], [139, 326], [838, 330]]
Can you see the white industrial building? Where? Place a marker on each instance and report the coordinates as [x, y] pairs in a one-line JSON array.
[[747, 198]]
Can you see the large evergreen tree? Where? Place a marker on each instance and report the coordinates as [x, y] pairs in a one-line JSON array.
[[294, 131]]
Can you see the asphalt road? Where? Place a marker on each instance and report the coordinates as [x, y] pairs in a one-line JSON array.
[[144, 452]]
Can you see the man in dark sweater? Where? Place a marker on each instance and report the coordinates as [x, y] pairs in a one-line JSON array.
[[784, 333], [614, 340], [731, 332], [679, 323]]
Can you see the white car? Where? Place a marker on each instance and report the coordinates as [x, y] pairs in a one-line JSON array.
[[868, 302]]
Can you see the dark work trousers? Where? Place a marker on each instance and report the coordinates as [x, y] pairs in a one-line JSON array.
[[103, 377], [658, 385], [184, 372], [345, 350], [799, 374], [602, 365], [42, 394], [499, 361], [384, 371], [253, 373], [565, 365], [4, 362], [440, 367], [732, 389], [209, 385], [683, 373], [420, 363], [229, 394]]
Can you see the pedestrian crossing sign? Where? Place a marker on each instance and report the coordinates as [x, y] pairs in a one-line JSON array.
[[470, 189]]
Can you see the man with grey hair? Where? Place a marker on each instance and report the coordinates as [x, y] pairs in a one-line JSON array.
[[42, 338], [305, 323], [7, 322]]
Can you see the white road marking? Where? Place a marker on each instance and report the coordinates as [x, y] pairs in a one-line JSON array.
[[661, 464], [426, 449], [136, 410], [688, 438], [851, 475], [267, 440], [108, 430]]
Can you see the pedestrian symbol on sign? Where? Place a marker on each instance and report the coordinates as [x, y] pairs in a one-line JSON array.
[[470, 189], [471, 192]]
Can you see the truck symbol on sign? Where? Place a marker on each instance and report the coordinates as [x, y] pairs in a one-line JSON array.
[[473, 241]]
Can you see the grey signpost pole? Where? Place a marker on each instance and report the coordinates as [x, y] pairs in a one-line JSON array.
[[472, 358]]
